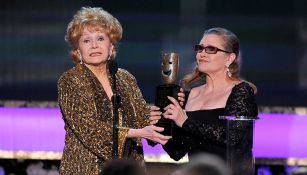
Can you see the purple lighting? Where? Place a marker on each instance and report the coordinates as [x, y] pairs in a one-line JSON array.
[[31, 129], [42, 129], [281, 136]]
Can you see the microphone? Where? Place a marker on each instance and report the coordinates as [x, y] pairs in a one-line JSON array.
[[112, 67]]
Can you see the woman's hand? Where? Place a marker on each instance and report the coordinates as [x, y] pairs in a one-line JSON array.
[[150, 132], [155, 115], [181, 96], [175, 112]]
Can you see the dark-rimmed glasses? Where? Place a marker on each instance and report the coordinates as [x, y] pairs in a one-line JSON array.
[[208, 49]]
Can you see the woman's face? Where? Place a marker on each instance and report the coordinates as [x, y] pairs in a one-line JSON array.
[[212, 63], [95, 47]]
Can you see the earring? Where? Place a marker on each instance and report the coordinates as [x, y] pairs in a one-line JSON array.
[[80, 57], [110, 53], [228, 72]]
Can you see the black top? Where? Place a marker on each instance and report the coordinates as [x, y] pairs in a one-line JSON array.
[[203, 131]]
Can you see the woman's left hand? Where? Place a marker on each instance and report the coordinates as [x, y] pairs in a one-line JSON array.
[[174, 112]]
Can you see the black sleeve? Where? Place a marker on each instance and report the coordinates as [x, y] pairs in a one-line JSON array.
[[176, 147], [241, 103]]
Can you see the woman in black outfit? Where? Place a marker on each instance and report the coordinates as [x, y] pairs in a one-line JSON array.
[[215, 90]]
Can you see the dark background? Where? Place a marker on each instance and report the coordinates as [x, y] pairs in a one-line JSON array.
[[273, 37]]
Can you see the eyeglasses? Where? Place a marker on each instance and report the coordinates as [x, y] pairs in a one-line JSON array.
[[208, 49]]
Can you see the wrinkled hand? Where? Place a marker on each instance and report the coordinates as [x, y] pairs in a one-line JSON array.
[[155, 115], [174, 112], [181, 96], [152, 133]]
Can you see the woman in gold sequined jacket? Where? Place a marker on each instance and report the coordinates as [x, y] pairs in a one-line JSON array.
[[84, 94]]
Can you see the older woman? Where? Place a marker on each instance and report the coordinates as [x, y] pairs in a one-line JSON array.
[[215, 90], [84, 96]]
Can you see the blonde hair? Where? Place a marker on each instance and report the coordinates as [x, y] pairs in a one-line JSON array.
[[94, 18], [231, 44]]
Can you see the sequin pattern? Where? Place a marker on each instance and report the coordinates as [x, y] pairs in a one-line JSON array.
[[203, 135], [87, 113]]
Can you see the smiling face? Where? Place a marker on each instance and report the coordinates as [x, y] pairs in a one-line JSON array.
[[213, 63], [94, 46], [169, 67]]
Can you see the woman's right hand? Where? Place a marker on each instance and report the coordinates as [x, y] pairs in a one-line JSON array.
[[174, 112]]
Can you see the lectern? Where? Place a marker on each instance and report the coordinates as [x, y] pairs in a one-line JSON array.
[[240, 135]]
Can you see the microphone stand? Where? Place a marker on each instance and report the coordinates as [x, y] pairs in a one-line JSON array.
[[115, 103]]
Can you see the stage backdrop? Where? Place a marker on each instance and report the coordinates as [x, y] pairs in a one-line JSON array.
[[273, 36]]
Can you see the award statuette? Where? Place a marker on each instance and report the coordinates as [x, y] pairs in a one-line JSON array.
[[169, 71]]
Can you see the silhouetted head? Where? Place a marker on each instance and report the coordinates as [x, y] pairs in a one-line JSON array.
[[123, 167]]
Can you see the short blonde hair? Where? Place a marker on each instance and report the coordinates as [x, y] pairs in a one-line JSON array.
[[94, 18]]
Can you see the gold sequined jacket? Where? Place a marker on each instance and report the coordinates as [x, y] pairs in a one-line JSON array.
[[87, 113]]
